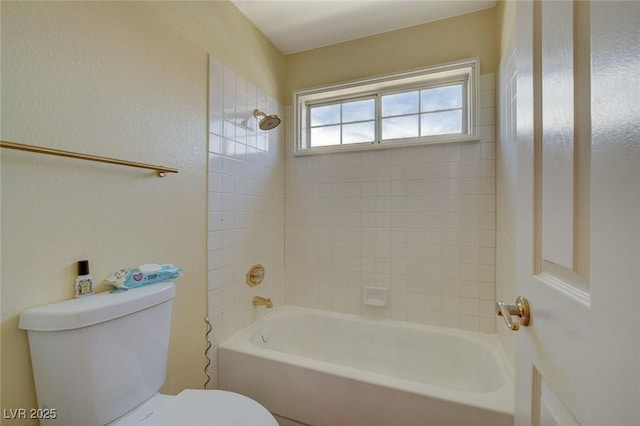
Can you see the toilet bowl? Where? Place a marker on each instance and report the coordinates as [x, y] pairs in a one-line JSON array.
[[101, 360]]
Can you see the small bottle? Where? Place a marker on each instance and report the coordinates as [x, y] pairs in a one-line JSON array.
[[84, 282]]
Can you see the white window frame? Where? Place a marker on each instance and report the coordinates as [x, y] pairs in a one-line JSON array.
[[465, 72]]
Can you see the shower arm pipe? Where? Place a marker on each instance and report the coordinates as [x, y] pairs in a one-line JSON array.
[[160, 170]]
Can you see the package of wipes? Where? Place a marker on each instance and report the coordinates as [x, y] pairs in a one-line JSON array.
[[149, 273]]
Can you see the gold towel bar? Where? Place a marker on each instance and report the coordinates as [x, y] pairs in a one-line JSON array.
[[160, 170]]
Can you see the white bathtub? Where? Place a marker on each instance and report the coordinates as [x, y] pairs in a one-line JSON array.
[[324, 368]]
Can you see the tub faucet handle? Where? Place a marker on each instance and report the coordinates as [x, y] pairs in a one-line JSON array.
[[261, 301]]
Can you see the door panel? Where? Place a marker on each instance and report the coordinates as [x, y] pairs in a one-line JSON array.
[[578, 212], [551, 409], [553, 26]]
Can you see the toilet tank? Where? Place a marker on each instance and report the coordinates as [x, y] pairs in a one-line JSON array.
[[95, 358]]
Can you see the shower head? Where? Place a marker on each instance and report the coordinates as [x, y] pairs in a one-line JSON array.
[[268, 122]]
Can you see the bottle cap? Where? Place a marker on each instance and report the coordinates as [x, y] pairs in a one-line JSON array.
[[83, 267]]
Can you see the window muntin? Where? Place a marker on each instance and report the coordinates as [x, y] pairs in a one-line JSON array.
[[442, 110], [433, 105], [342, 123], [421, 113]]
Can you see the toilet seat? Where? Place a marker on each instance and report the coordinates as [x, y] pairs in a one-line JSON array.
[[199, 408]]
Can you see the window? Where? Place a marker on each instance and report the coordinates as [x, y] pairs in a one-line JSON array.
[[433, 105]]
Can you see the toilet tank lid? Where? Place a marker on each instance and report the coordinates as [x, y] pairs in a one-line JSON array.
[[90, 310]]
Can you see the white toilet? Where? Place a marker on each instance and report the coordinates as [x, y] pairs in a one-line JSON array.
[[101, 360]]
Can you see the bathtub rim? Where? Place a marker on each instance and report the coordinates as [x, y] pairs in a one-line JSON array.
[[500, 400]]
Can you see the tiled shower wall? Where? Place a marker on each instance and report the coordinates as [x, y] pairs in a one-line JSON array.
[[245, 203], [419, 221]]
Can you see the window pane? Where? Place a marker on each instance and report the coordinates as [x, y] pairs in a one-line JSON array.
[[358, 132], [441, 98], [328, 114], [441, 123], [358, 110], [325, 136], [400, 127], [400, 103]]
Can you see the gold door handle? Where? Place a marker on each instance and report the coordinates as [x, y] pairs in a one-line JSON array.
[[521, 309]]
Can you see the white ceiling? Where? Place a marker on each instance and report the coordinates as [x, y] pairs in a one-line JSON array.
[[297, 25]]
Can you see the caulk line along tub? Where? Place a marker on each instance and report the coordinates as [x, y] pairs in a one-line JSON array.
[[149, 273]]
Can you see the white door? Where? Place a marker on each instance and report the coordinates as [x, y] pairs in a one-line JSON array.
[[578, 212]]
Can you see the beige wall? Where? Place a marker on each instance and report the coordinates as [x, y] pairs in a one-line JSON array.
[[506, 22], [471, 35], [125, 80]]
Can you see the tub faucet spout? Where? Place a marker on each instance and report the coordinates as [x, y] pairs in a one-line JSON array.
[[261, 301]]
